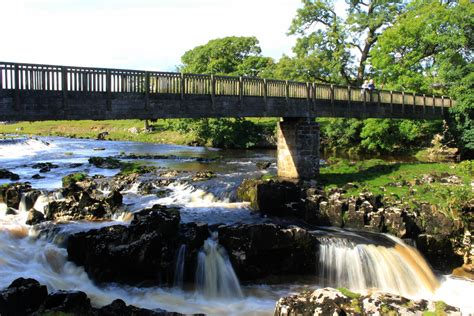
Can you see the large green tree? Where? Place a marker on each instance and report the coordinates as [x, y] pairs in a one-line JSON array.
[[430, 49], [237, 56], [335, 48]]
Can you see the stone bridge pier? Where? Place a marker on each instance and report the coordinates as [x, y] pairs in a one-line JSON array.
[[298, 148]]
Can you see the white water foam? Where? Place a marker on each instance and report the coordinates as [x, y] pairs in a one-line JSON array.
[[22, 148]]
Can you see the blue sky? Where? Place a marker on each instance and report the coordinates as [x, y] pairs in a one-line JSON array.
[[140, 34]]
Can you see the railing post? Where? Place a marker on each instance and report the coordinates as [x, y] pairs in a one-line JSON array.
[[147, 89], [391, 101], [213, 90], [241, 90], [403, 102], [424, 104], [287, 90], [17, 88], [349, 97], [1, 78], [414, 102], [332, 98], [64, 86], [265, 93], [450, 101], [442, 105], [434, 104], [182, 86]]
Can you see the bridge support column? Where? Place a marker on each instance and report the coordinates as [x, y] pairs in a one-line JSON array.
[[298, 148]]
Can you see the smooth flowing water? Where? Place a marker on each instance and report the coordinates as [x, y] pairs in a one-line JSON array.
[[343, 261]]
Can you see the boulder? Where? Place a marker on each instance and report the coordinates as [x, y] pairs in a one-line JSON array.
[[118, 307], [34, 217], [10, 194], [144, 251], [22, 297], [261, 250], [106, 163], [329, 301], [74, 302], [44, 166], [5, 174]]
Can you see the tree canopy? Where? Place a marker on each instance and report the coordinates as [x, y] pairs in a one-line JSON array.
[[238, 56]]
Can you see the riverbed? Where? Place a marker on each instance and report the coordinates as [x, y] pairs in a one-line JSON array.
[[213, 201]]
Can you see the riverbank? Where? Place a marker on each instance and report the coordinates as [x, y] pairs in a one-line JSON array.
[[164, 131]]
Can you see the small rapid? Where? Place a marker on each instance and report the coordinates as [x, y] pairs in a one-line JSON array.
[[361, 267]]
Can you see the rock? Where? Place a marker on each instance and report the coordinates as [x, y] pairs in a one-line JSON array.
[[276, 198], [44, 166], [114, 199], [394, 223], [101, 136], [71, 179], [439, 252], [5, 174], [203, 175], [34, 217], [11, 211], [144, 251], [263, 164], [106, 163], [133, 130], [329, 301], [261, 250], [10, 194], [22, 297], [37, 176], [118, 307], [75, 302], [354, 217]]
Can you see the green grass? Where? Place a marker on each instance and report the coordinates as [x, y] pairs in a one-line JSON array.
[[381, 177], [117, 129]]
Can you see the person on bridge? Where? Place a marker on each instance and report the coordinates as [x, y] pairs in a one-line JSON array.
[[371, 85], [364, 88]]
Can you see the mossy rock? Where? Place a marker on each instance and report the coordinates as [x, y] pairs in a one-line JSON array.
[[73, 178]]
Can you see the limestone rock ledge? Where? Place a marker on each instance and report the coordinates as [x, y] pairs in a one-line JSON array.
[[329, 301]]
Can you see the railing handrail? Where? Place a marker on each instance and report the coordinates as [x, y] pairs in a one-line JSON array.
[[287, 83]]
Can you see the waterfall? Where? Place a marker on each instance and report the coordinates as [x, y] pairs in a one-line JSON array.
[[179, 269], [359, 267], [215, 276], [22, 207]]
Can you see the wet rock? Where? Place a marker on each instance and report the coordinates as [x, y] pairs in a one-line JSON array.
[[34, 217], [114, 199], [22, 297], [192, 235], [203, 175], [11, 211], [329, 301], [37, 177], [118, 307], [333, 210], [75, 302], [439, 251], [10, 194], [394, 223], [44, 166], [106, 163], [260, 250], [102, 135], [276, 198], [144, 251], [263, 164], [354, 217], [5, 174]]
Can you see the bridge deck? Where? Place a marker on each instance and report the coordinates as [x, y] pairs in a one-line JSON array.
[[43, 92]]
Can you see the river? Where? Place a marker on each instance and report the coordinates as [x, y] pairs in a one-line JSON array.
[[360, 267]]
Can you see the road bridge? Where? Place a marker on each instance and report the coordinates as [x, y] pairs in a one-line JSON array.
[[33, 92]]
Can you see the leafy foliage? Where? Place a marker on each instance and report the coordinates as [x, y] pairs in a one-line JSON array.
[[237, 56]]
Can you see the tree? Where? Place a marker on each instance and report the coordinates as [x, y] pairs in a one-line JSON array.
[[337, 49], [430, 49], [236, 56]]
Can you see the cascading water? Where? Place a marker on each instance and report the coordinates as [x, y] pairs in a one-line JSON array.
[[359, 267], [179, 270], [215, 277]]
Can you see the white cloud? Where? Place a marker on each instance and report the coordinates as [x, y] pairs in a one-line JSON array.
[[142, 34]]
